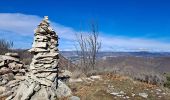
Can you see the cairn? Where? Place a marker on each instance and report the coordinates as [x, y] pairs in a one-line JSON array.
[[12, 72], [42, 82]]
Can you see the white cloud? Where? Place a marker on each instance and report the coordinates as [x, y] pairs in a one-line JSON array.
[[23, 25], [134, 44]]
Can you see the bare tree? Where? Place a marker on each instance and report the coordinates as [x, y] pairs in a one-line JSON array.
[[88, 47], [5, 46]]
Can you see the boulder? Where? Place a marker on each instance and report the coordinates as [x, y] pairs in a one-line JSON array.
[[63, 90], [42, 94]]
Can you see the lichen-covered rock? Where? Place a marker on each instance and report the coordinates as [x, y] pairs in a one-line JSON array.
[[63, 90]]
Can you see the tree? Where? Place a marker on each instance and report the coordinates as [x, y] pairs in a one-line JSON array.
[[88, 47], [5, 46]]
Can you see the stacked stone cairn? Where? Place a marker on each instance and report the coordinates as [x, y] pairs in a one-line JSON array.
[[42, 82], [12, 72]]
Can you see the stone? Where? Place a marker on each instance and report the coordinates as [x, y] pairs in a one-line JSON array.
[[3, 82], [4, 57], [1, 58], [52, 76], [2, 64], [20, 92], [42, 94], [26, 95], [40, 44], [50, 55], [144, 95], [5, 70], [47, 66], [38, 50], [9, 76], [44, 82], [37, 88], [75, 80], [12, 55], [96, 77], [13, 82], [40, 38], [66, 73], [74, 98], [42, 75], [39, 30], [2, 89], [63, 90], [15, 65]]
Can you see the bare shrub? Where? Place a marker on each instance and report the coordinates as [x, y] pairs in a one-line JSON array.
[[5, 46], [88, 47]]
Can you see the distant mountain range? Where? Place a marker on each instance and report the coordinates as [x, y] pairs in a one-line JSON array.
[[74, 54]]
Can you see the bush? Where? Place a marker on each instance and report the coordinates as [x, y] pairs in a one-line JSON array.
[[167, 83]]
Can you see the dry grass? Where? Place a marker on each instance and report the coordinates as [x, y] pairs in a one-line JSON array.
[[100, 90]]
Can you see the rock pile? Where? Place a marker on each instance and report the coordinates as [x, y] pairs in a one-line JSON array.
[[42, 83], [11, 72]]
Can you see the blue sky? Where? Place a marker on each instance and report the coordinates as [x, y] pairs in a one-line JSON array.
[[124, 25]]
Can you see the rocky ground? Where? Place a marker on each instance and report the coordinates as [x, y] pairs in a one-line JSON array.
[[115, 87]]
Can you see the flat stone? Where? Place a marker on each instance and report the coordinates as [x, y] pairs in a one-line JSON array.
[[40, 38], [37, 88], [28, 93], [66, 73], [39, 30], [21, 78], [47, 66], [44, 82], [9, 76], [4, 57], [144, 95], [75, 80], [42, 75], [50, 55], [38, 50], [74, 98], [2, 64], [12, 54], [22, 88], [52, 76], [2, 89], [13, 82], [15, 65], [39, 44], [5, 70], [98, 77]]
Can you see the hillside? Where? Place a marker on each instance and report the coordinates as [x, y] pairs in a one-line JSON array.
[[116, 87]]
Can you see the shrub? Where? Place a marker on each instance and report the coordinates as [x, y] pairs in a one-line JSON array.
[[167, 83]]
